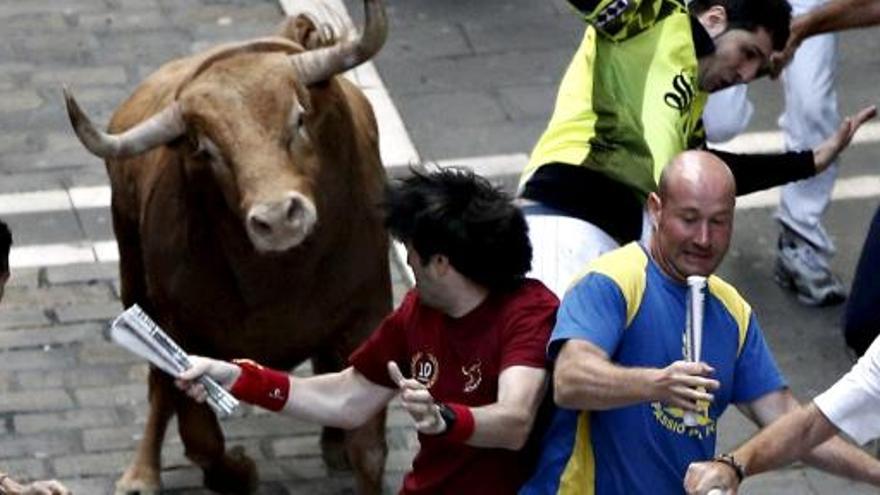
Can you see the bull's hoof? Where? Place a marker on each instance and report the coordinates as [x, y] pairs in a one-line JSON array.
[[138, 481], [235, 474]]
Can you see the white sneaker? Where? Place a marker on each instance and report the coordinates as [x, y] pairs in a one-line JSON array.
[[799, 268]]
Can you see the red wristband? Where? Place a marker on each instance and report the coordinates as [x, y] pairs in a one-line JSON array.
[[463, 427], [261, 386]]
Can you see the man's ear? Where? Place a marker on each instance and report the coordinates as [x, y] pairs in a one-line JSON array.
[[714, 20], [655, 205], [440, 264]]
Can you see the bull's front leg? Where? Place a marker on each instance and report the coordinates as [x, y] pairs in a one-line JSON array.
[[230, 472], [142, 475]]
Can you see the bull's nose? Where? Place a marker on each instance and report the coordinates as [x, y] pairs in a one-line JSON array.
[[281, 224], [294, 209]]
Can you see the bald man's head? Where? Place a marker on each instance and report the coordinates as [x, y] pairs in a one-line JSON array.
[[692, 214], [698, 166]]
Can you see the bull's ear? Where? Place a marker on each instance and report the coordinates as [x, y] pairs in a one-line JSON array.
[[307, 31]]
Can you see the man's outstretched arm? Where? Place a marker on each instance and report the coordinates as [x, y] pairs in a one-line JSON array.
[[783, 442], [345, 399], [799, 433], [754, 172]]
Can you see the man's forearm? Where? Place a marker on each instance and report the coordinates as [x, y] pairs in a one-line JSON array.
[[839, 15], [602, 385], [344, 399], [790, 438], [805, 433], [507, 423], [835, 455], [497, 426]]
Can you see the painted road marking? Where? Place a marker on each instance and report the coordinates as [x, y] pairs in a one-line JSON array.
[[849, 188]]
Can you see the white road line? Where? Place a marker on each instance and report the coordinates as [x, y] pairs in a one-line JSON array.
[[31, 202], [850, 188], [51, 254], [90, 197], [55, 200]]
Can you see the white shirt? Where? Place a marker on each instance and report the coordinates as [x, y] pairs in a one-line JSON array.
[[853, 403]]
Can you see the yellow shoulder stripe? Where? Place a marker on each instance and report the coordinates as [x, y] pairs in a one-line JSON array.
[[735, 305], [626, 267]]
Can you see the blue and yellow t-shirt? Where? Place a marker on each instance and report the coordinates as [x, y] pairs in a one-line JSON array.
[[635, 313]]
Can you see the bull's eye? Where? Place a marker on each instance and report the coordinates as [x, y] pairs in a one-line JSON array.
[[301, 127], [206, 149], [297, 125], [198, 150]]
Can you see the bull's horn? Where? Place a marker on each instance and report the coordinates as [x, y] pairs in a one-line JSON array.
[[323, 63], [157, 130]]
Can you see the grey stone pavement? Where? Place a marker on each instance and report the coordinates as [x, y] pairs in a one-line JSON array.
[[470, 79]]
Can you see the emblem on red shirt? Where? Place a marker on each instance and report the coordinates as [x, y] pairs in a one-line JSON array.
[[474, 376], [425, 368]]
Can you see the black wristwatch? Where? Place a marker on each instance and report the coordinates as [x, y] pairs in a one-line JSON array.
[[449, 417], [733, 463]]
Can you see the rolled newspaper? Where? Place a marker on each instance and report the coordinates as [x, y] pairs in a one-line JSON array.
[[137, 332], [693, 338]]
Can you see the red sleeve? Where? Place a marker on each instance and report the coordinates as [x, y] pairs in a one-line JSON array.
[[529, 325], [386, 343]]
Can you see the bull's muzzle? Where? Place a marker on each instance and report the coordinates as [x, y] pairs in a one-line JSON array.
[[280, 225]]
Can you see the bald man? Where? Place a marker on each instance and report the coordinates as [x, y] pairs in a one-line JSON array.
[[620, 378]]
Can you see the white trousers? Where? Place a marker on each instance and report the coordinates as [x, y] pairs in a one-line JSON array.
[[810, 116], [562, 247]]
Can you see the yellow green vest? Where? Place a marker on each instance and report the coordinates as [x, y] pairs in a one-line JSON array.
[[629, 100]]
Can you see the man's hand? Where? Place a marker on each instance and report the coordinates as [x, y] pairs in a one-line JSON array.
[[222, 372], [418, 402], [683, 384], [48, 487], [779, 60], [827, 152], [710, 478]]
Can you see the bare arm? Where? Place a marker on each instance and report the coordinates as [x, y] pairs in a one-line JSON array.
[[838, 15], [790, 438], [833, 455], [586, 379], [505, 423], [345, 399]]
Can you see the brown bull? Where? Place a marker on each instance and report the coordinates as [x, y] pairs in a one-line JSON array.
[[245, 189]]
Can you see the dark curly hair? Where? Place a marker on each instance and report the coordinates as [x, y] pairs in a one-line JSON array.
[[772, 15], [5, 245], [456, 213]]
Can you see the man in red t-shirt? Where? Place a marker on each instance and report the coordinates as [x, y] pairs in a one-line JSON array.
[[471, 336]]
